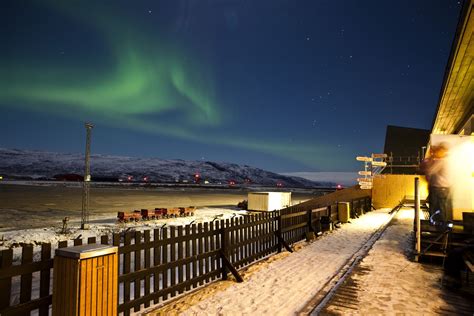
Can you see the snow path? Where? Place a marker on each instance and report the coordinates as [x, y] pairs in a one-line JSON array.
[[283, 286], [394, 284]]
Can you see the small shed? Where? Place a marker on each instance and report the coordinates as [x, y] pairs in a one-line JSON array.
[[268, 201]]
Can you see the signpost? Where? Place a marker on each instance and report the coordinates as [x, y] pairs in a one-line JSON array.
[[362, 158], [373, 166]]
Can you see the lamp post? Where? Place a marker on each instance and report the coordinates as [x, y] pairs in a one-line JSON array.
[[87, 179]]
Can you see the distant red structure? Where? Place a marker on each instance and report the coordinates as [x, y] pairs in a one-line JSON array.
[[69, 177]]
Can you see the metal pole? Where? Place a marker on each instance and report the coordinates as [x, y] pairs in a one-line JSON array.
[[417, 217], [87, 179]]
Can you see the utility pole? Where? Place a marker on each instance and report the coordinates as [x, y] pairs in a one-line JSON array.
[[87, 179]]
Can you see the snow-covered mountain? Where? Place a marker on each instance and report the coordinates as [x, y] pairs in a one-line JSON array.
[[27, 164]]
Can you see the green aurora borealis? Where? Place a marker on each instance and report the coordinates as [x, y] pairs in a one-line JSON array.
[[150, 86]]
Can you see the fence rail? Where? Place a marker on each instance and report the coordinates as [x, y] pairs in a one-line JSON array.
[[157, 265]]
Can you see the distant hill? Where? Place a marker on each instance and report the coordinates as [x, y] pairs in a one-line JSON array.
[[28, 164]]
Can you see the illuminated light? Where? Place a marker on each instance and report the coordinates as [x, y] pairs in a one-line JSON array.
[[460, 170], [406, 214], [338, 187]]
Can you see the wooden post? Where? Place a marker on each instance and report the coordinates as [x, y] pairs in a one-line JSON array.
[[6, 258], [279, 231], [137, 260], [417, 217], [45, 278], [226, 264], [310, 234], [224, 248]]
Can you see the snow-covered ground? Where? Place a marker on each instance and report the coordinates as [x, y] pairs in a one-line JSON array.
[[284, 283], [394, 284], [105, 225]]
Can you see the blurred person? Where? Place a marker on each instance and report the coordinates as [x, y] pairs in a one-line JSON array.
[[436, 169]]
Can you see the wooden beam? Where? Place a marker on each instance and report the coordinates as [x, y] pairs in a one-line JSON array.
[[231, 268], [281, 241]]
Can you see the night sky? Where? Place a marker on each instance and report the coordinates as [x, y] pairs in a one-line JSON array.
[[282, 85]]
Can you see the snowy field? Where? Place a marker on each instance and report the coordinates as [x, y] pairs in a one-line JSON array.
[[106, 226], [284, 283]]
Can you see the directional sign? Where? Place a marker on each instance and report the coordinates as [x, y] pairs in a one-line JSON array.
[[365, 173], [379, 163], [379, 156], [364, 179], [365, 184], [360, 158], [364, 187]]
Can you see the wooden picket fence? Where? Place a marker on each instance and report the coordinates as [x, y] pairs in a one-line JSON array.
[[155, 266]]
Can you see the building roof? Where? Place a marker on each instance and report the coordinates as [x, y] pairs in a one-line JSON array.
[[456, 102], [405, 141], [403, 147]]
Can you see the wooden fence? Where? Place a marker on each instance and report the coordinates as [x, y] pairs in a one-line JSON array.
[[157, 265]]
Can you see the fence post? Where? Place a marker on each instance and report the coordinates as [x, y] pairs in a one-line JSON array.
[[225, 247], [45, 278], [6, 258], [26, 279], [279, 230], [417, 217]]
